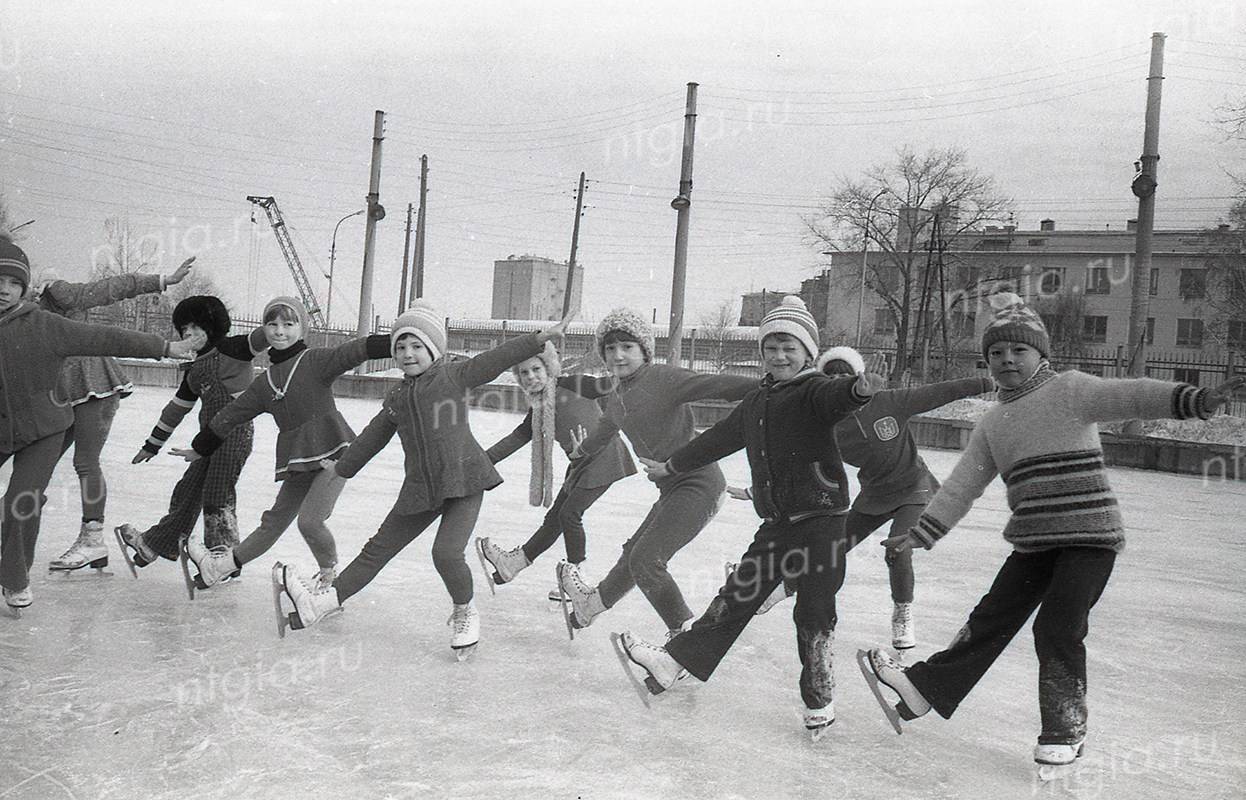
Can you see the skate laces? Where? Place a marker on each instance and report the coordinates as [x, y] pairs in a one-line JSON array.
[[324, 578]]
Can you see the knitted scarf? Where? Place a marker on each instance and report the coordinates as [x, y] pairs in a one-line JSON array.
[[1041, 375], [541, 483]]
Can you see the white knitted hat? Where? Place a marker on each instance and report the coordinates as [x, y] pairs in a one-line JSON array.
[[425, 323], [791, 317], [845, 354]]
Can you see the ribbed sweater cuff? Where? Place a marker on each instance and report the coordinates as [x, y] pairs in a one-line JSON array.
[[929, 530]]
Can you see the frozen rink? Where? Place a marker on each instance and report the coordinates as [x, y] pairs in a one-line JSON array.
[[111, 687]]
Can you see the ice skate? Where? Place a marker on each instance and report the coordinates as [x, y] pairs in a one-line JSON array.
[[17, 599], [1057, 760], [506, 563], [878, 667], [465, 629], [325, 578], [663, 670], [88, 550], [310, 604], [819, 720], [902, 637], [584, 601], [129, 538], [214, 566]]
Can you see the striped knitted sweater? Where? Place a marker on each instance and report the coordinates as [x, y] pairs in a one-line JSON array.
[[1043, 440]]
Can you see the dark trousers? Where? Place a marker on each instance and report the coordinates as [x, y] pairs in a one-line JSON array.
[[92, 422], [1063, 584], [23, 508], [810, 553], [685, 506], [566, 519], [900, 565], [458, 519], [209, 485]]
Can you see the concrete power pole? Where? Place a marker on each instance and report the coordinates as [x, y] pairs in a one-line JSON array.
[[406, 253], [417, 285], [682, 205], [376, 213], [575, 241], [1144, 187]]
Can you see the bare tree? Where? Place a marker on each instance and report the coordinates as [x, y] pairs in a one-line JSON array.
[[1225, 289], [123, 253], [713, 329], [910, 211]]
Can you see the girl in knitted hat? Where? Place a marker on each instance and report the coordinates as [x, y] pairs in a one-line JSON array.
[[801, 493], [297, 390], [557, 413], [220, 372], [651, 404], [1065, 529], [447, 472], [34, 344]]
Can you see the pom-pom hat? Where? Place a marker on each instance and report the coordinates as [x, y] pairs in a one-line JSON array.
[[790, 316], [424, 322], [1014, 321]]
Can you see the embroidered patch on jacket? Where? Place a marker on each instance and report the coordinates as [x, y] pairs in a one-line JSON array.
[[887, 428]]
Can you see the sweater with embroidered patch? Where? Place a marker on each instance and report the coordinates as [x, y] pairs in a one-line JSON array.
[[1043, 440]]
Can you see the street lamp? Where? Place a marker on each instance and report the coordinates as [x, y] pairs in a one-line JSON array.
[[332, 254], [865, 247]]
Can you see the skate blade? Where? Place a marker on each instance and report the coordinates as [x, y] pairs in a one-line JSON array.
[[1048, 773], [279, 585], [184, 557], [125, 552], [461, 654], [646, 694], [14, 611], [564, 603], [70, 573], [816, 734], [485, 566], [893, 716]]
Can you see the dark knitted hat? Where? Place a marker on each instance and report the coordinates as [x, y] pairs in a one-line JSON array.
[[632, 325], [1014, 321], [207, 312], [13, 262]]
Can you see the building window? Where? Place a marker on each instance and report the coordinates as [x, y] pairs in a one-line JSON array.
[[884, 323], [1037, 242], [1193, 284], [1051, 281], [1098, 281], [1095, 329], [1189, 333], [1185, 375], [1150, 330], [1237, 334], [1154, 290]]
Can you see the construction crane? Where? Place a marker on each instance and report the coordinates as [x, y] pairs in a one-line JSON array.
[[269, 204]]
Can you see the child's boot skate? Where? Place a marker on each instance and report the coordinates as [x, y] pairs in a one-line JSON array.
[[17, 599], [465, 629], [902, 637], [214, 565], [1057, 760], [506, 563], [88, 550], [662, 670], [325, 578], [130, 539], [585, 601], [310, 604], [819, 720], [878, 667]]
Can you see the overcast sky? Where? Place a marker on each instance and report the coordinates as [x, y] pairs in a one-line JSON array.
[[169, 115]]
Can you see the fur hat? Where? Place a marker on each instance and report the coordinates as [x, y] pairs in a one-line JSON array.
[[842, 355], [13, 262], [1014, 321], [295, 305], [425, 323], [632, 325], [549, 358], [207, 312], [791, 317]]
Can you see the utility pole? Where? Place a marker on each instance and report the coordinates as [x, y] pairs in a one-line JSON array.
[[1144, 188], [417, 284], [376, 213], [406, 252], [682, 204], [575, 241]]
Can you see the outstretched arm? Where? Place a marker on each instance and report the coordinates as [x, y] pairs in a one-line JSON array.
[[174, 411], [369, 442]]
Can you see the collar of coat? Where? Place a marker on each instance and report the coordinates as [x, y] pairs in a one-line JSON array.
[[800, 377], [21, 309]]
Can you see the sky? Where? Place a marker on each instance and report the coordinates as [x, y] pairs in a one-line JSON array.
[[167, 116]]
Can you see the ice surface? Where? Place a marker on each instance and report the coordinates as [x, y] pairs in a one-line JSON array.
[[111, 687]]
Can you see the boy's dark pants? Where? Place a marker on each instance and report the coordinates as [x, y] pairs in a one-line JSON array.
[[566, 519], [1064, 584], [811, 552], [23, 508]]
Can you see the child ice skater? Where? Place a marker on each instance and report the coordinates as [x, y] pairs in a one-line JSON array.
[[801, 493], [220, 372], [651, 404], [556, 413], [447, 472], [1065, 528], [895, 483], [297, 390], [34, 344], [93, 387]]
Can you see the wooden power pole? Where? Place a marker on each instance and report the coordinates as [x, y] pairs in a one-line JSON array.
[[417, 285], [406, 253], [575, 241], [682, 204], [376, 213]]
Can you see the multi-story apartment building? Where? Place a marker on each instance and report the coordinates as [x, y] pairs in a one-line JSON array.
[[532, 287]]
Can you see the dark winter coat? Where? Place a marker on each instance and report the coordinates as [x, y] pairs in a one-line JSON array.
[[787, 429], [443, 460], [34, 344]]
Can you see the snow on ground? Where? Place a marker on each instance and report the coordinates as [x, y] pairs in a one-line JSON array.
[[111, 687]]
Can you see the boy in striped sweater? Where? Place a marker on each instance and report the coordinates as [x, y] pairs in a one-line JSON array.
[[1066, 529]]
